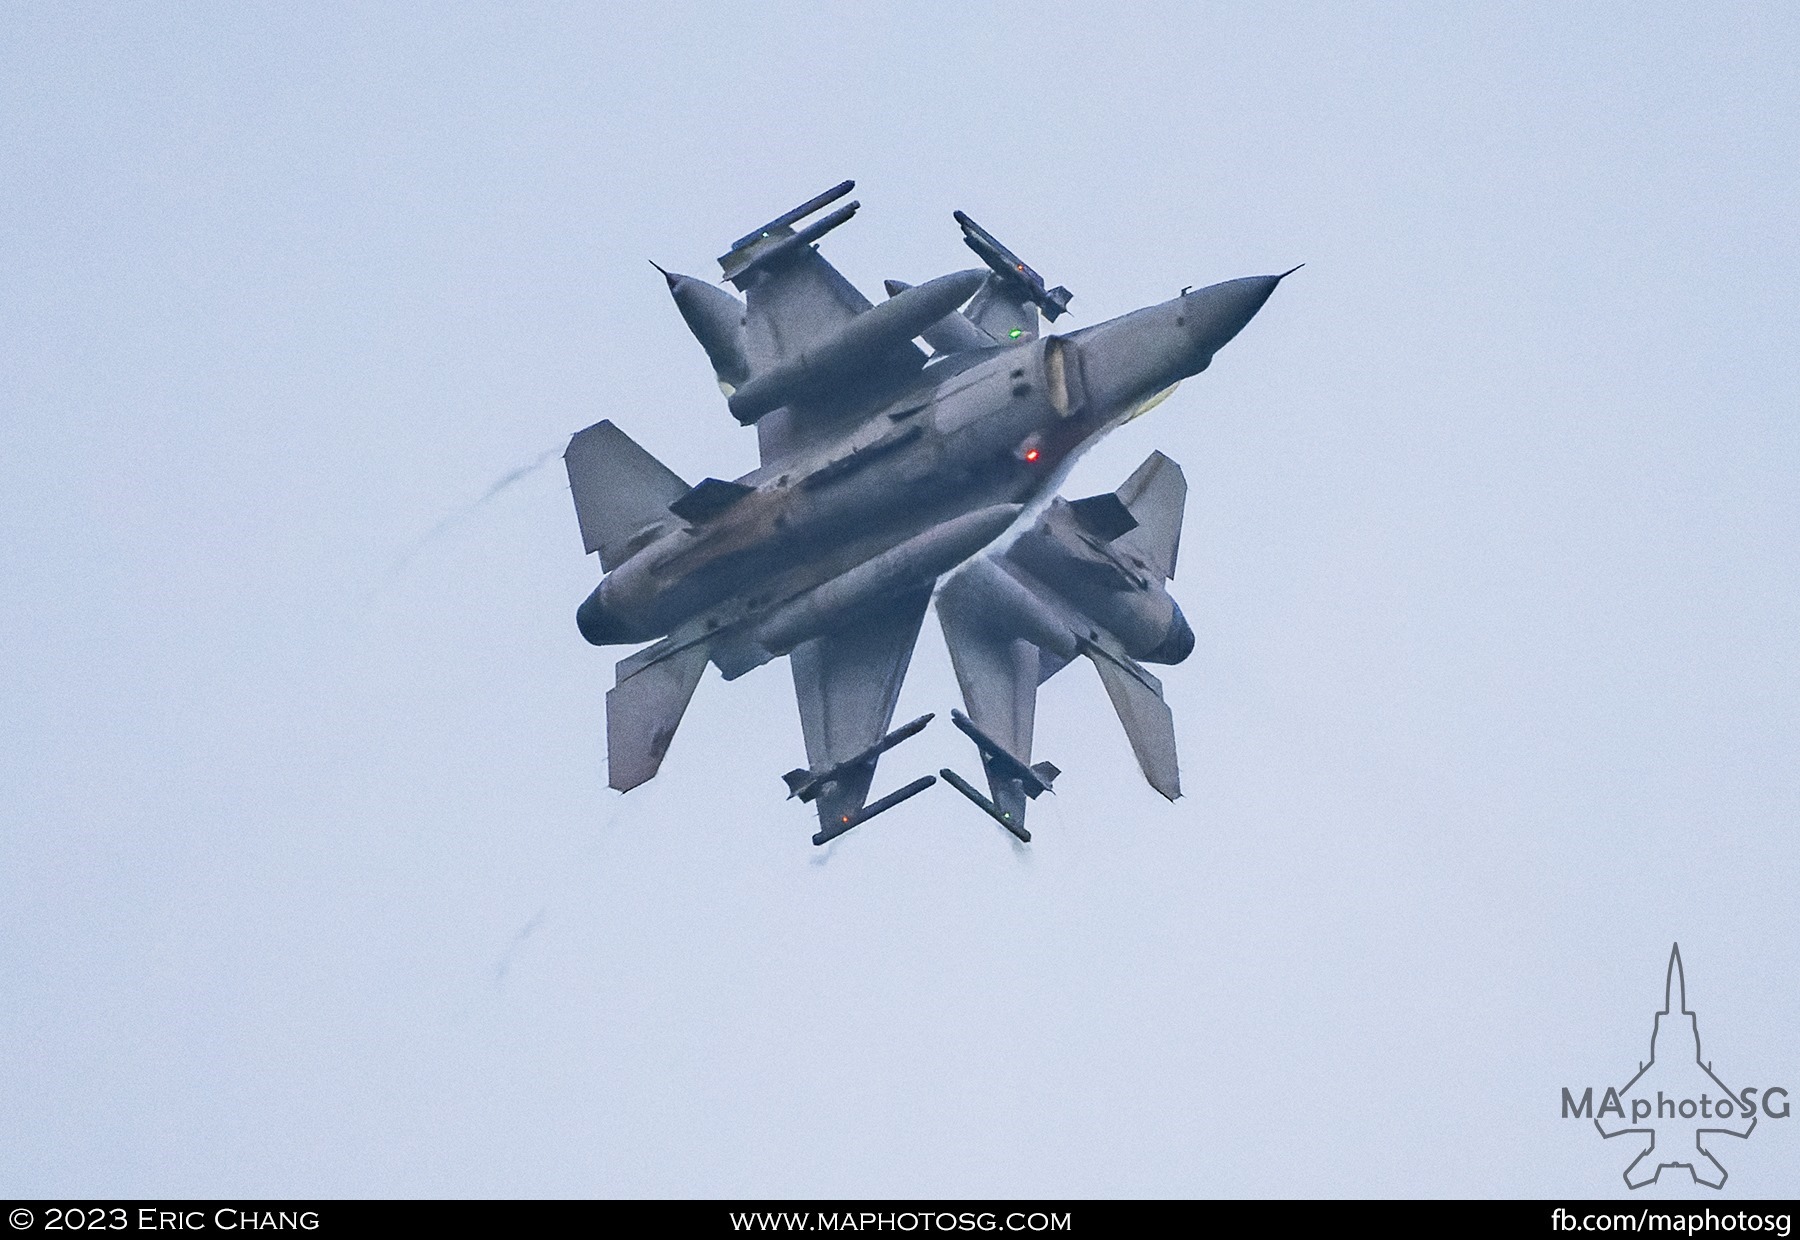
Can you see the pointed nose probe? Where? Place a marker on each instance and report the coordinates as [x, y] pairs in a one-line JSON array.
[[1226, 308]]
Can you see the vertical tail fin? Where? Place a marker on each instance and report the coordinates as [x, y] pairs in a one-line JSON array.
[[619, 490], [1155, 494], [1003, 312]]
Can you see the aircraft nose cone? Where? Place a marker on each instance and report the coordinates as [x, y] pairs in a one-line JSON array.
[[1224, 309]]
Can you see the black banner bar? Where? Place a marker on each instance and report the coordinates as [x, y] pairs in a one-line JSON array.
[[222, 1219]]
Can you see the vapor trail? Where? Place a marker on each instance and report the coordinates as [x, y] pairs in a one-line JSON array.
[[503, 966], [462, 514]]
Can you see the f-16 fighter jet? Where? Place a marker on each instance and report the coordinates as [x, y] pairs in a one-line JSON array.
[[1088, 578], [881, 470]]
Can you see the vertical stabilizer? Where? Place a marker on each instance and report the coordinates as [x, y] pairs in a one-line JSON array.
[[619, 490], [1156, 495]]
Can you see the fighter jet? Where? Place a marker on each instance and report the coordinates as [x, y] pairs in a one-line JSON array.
[[1089, 577], [881, 470]]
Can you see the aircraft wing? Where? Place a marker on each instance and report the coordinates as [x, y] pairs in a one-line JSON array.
[[848, 682], [795, 300], [999, 678]]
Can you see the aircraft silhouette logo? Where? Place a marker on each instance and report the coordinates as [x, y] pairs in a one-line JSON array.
[[1677, 1090]]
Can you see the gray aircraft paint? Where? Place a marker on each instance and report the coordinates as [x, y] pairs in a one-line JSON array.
[[1489, 545], [1087, 578], [885, 472]]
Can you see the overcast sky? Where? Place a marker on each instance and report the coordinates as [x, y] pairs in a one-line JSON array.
[[310, 880]]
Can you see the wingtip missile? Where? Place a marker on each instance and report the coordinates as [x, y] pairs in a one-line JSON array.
[[807, 784], [1013, 269], [738, 264], [787, 218], [986, 806], [850, 821], [776, 240], [1035, 780]]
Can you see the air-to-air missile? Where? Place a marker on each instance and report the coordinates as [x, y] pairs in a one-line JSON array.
[[1002, 765], [881, 471], [750, 251], [807, 785], [1008, 266]]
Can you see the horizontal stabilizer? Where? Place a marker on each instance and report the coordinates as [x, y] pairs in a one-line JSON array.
[[1149, 725], [708, 498], [987, 807], [1003, 764], [620, 490], [645, 707], [1104, 516], [807, 784], [826, 834]]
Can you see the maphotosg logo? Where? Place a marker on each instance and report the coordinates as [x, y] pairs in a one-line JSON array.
[[1676, 1105]]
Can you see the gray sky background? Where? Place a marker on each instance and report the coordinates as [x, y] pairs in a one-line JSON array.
[[311, 883]]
